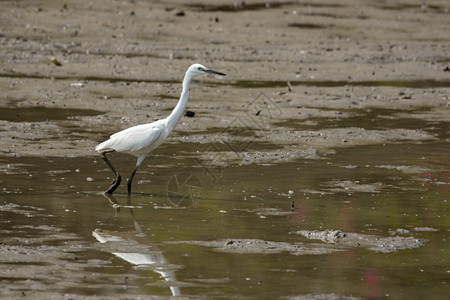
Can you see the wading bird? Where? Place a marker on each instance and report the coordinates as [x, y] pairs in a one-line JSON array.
[[140, 140]]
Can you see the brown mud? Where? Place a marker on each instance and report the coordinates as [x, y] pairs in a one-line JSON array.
[[297, 63]]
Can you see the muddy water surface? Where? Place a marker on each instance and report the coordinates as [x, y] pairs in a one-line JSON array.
[[231, 232]]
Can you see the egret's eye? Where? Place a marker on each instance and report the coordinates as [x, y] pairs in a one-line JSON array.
[[200, 69]]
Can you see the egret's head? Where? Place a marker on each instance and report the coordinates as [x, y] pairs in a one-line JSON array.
[[198, 69]]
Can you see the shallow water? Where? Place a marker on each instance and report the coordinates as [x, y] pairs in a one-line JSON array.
[[41, 113], [383, 190]]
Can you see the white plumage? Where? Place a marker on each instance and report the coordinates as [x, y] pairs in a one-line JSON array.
[[140, 140]]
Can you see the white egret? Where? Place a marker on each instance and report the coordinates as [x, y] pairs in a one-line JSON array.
[[140, 140]]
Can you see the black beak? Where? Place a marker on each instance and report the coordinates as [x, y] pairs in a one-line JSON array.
[[215, 72]]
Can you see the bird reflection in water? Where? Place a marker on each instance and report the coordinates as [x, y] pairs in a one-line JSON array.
[[135, 247]]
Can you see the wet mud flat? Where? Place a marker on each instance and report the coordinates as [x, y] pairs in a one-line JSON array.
[[322, 156], [285, 76]]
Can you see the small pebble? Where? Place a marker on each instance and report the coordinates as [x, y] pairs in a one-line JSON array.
[[56, 62], [189, 113]]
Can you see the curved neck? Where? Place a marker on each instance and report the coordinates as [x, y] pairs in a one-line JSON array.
[[177, 112]]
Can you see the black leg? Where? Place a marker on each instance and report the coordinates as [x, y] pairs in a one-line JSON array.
[[115, 184], [130, 180]]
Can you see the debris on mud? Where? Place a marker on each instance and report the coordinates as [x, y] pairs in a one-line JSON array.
[[256, 246], [335, 240], [357, 240]]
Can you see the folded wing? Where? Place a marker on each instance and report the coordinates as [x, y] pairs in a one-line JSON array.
[[137, 139]]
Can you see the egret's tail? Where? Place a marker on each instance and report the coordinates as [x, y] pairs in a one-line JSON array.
[[102, 147]]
